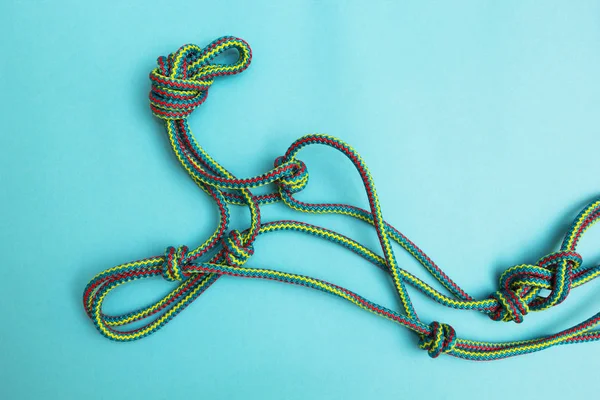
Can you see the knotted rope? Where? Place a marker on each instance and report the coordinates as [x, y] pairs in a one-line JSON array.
[[181, 83]]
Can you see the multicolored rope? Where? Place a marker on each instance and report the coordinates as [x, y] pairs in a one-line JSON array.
[[181, 83]]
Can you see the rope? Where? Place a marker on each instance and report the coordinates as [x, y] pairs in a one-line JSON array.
[[180, 84]]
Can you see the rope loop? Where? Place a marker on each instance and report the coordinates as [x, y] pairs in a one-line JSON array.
[[181, 81], [441, 339], [554, 260], [236, 252], [175, 259]]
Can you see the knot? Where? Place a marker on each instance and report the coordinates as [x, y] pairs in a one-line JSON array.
[[441, 339], [297, 178], [236, 253], [519, 286], [175, 259], [181, 81], [511, 306]]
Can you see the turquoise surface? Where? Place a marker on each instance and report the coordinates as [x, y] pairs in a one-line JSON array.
[[478, 119]]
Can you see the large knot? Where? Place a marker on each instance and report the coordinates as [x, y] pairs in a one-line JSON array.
[[297, 179], [175, 259], [236, 253], [181, 81], [520, 285], [441, 339]]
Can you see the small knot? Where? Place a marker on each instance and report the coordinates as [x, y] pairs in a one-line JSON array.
[[511, 306], [297, 178], [181, 81], [175, 259], [441, 339], [236, 252]]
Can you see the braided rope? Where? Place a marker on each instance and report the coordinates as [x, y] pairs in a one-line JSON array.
[[181, 83]]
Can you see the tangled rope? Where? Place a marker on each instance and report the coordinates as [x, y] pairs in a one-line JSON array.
[[181, 83]]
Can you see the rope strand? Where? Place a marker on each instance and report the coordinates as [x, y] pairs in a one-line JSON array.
[[181, 83]]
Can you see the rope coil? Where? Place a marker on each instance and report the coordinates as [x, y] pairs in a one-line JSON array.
[[180, 83]]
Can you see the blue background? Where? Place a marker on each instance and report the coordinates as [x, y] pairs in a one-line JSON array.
[[478, 119]]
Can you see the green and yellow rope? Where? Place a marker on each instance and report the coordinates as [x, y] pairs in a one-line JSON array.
[[180, 83]]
